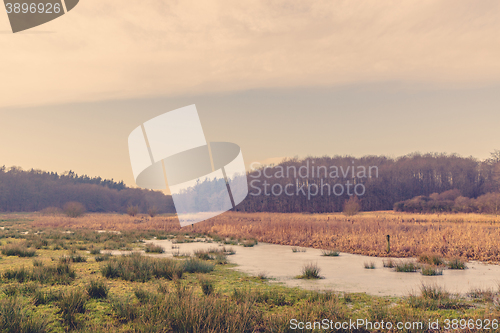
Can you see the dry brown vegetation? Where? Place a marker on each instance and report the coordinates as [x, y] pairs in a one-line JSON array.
[[469, 236]]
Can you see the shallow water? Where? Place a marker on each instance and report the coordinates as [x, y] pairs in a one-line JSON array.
[[343, 273]]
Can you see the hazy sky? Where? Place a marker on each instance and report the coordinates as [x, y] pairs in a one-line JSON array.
[[279, 78]]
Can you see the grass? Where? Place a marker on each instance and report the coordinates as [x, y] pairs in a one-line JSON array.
[[456, 263], [369, 265], [238, 302], [218, 255], [193, 265], [76, 258], [61, 273], [15, 317], [310, 271], [432, 259], [70, 304], [330, 253], [135, 267], [19, 250], [428, 270], [152, 248], [436, 298], [102, 257], [406, 267], [97, 289], [95, 251], [389, 263], [207, 286], [298, 249]]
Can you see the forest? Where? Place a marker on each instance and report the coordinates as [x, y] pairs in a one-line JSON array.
[[35, 190], [414, 183]]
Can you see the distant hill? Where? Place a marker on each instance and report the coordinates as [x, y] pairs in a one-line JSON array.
[[34, 190]]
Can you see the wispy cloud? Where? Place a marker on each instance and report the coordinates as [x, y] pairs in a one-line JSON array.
[[121, 49]]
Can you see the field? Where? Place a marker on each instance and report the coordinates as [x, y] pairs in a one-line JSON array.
[[56, 277], [468, 236]]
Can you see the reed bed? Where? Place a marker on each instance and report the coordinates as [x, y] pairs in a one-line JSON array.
[[467, 236]]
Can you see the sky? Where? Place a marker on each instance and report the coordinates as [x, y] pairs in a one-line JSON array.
[[279, 78]]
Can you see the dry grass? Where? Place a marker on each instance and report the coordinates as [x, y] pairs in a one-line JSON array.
[[467, 236]]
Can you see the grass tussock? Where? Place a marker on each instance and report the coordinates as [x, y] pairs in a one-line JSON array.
[[18, 249], [193, 265], [218, 255], [428, 270], [135, 267], [369, 265], [310, 271], [70, 304], [456, 263], [406, 267], [390, 263], [152, 248], [435, 298], [431, 259], [97, 289], [298, 249], [61, 274], [15, 317], [207, 286], [330, 253], [95, 251], [102, 257]]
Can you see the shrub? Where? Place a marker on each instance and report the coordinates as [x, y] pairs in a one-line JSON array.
[[310, 271], [18, 249], [330, 253], [352, 206], [51, 211], [14, 318], [133, 210], [456, 263], [152, 248], [70, 304], [153, 211], [74, 209], [97, 289]]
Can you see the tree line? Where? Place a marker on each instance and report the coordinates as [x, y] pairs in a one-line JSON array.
[[394, 180], [35, 190], [415, 182]]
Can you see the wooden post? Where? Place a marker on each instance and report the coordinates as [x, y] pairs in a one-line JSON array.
[[388, 243]]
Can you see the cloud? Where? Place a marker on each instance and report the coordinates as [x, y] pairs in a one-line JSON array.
[[121, 49]]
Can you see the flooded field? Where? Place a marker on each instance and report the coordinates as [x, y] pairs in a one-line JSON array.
[[343, 273]]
